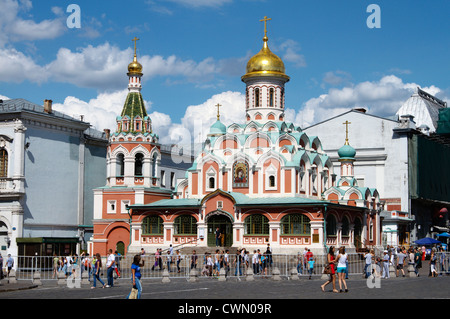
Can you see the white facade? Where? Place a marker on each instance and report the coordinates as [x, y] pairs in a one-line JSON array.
[[381, 154]]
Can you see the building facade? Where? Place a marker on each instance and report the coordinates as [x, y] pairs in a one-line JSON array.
[[260, 182], [139, 170], [49, 164]]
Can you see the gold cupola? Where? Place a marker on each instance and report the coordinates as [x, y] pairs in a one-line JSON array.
[[135, 67], [265, 63]]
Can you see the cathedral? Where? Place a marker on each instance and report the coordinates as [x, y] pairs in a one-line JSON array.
[[258, 182]]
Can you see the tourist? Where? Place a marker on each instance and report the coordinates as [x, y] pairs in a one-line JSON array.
[[400, 260], [299, 263], [156, 259], [226, 262], [110, 266], [55, 266], [168, 260], [194, 259], [386, 264], [218, 235], [136, 275], [417, 261], [117, 265], [179, 259], [368, 265], [97, 273], [331, 262], [238, 263], [209, 264], [217, 259], [311, 267], [341, 268], [255, 262], [433, 259]]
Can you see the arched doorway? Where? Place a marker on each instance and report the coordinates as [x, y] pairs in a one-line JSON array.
[[225, 226]]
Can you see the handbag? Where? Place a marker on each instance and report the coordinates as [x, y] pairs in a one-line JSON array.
[[327, 270], [133, 293]]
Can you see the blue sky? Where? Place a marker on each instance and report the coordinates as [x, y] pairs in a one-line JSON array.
[[195, 51]]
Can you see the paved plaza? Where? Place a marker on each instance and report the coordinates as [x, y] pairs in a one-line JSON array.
[[264, 289]]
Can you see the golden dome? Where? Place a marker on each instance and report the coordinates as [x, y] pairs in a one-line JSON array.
[[135, 67], [265, 63]]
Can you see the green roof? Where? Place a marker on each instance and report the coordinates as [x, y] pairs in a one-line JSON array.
[[134, 106]]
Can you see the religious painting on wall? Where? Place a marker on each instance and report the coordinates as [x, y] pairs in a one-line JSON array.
[[240, 174]]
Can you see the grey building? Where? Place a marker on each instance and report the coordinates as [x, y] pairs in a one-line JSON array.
[[50, 162]]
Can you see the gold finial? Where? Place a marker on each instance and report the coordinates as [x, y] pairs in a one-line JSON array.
[[265, 25], [346, 123], [218, 111], [135, 40]]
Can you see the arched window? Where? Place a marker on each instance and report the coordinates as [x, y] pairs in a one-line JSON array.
[[331, 225], [271, 181], [257, 97], [3, 163], [271, 97], [345, 227], [185, 225], [256, 225], [120, 165], [295, 224], [152, 225], [138, 162], [212, 182]]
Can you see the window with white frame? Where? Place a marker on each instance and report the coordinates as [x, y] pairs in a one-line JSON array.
[[123, 206], [111, 209], [211, 179], [271, 178]]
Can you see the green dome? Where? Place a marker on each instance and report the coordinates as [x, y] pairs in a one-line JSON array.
[[218, 128], [347, 151]]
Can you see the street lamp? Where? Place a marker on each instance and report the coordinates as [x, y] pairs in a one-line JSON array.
[[129, 222]]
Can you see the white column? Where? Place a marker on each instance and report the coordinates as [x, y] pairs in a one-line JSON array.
[[19, 159]]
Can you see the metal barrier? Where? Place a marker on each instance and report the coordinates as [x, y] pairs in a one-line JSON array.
[[180, 266]]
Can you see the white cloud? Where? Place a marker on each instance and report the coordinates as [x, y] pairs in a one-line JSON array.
[[100, 112], [14, 28], [382, 98], [16, 67]]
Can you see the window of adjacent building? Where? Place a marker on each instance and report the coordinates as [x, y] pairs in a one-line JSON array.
[[3, 163], [152, 225], [295, 224], [185, 225], [256, 225], [172, 180], [163, 178]]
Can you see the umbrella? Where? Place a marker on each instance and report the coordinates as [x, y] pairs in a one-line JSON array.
[[427, 241], [444, 235]]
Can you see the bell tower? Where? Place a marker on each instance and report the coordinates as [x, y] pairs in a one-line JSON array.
[[265, 79]]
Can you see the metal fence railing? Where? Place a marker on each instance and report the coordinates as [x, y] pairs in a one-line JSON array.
[[180, 266]]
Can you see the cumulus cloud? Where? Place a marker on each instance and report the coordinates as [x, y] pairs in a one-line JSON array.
[[15, 28], [16, 67], [382, 98], [100, 112]]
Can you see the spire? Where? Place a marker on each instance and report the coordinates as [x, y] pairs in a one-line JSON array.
[[218, 111]]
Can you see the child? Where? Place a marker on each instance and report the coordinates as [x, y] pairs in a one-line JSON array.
[[311, 266]]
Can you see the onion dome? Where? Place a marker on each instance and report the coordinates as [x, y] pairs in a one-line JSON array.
[[347, 152], [218, 128], [135, 67]]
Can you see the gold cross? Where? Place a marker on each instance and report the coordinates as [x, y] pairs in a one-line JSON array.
[[135, 39], [218, 111], [346, 123], [265, 24]]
